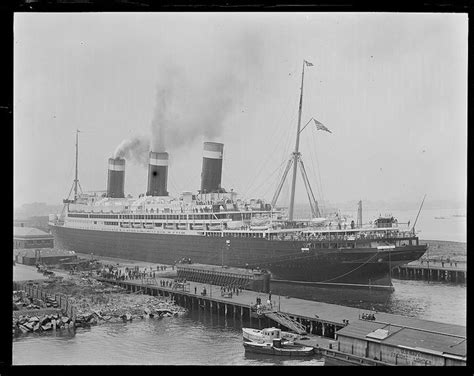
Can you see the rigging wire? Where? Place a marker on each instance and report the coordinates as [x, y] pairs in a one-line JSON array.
[[279, 130], [285, 150], [270, 156], [311, 152], [319, 177], [269, 177]]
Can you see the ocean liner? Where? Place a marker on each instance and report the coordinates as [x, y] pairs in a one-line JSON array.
[[213, 226]]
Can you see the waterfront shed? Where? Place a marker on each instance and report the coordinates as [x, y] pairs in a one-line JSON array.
[[48, 256], [402, 345], [29, 237]]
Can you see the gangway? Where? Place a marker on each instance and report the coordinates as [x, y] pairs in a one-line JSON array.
[[285, 320]]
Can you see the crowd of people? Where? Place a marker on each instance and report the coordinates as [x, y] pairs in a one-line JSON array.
[[129, 273]]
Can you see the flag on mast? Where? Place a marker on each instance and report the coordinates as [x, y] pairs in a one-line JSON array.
[[308, 64], [320, 127]]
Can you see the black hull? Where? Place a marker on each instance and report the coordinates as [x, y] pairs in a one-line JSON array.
[[284, 259]]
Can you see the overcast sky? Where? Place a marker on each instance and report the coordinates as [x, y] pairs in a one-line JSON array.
[[392, 88]]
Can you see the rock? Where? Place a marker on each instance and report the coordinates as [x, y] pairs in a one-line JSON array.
[[47, 326], [36, 327], [29, 326], [24, 328], [53, 322], [65, 319]]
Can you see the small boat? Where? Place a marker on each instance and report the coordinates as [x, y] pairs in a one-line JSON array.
[[278, 347], [440, 217], [267, 335]]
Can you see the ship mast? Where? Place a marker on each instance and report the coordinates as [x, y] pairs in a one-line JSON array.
[[75, 183], [75, 177], [296, 160], [296, 153]]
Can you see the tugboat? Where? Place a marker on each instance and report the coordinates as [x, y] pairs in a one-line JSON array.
[[279, 347], [272, 341]]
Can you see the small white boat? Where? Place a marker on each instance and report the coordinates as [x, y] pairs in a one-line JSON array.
[[267, 335], [278, 347]]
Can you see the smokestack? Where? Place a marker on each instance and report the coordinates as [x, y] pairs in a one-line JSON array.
[[116, 178], [157, 174], [211, 167]]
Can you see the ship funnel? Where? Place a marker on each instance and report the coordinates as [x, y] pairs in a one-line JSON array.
[[157, 174], [116, 178], [211, 167]]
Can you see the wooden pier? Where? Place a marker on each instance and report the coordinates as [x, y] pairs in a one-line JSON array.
[[433, 270], [316, 318]]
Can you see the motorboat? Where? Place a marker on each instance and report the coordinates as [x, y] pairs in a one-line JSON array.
[[278, 347], [267, 335]]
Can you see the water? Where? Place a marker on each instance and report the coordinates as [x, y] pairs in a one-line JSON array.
[[193, 339], [202, 339], [199, 338]]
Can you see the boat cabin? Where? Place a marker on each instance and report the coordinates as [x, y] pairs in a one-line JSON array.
[[269, 334]]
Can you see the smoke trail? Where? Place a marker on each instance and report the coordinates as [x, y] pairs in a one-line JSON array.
[[134, 150], [195, 97]]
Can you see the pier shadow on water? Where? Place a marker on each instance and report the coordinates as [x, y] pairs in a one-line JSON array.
[[363, 298]]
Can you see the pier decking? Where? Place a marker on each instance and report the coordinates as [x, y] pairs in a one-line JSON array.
[[433, 270], [319, 319]]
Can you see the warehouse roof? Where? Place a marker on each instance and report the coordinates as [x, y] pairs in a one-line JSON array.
[[44, 252], [29, 232], [430, 341]]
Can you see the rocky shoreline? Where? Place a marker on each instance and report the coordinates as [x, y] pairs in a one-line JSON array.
[[94, 303]]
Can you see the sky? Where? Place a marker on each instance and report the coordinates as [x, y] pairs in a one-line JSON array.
[[391, 87]]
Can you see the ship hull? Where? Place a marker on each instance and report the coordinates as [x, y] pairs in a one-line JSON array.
[[284, 259]]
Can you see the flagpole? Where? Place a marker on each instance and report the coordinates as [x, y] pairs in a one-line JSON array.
[[296, 153]]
